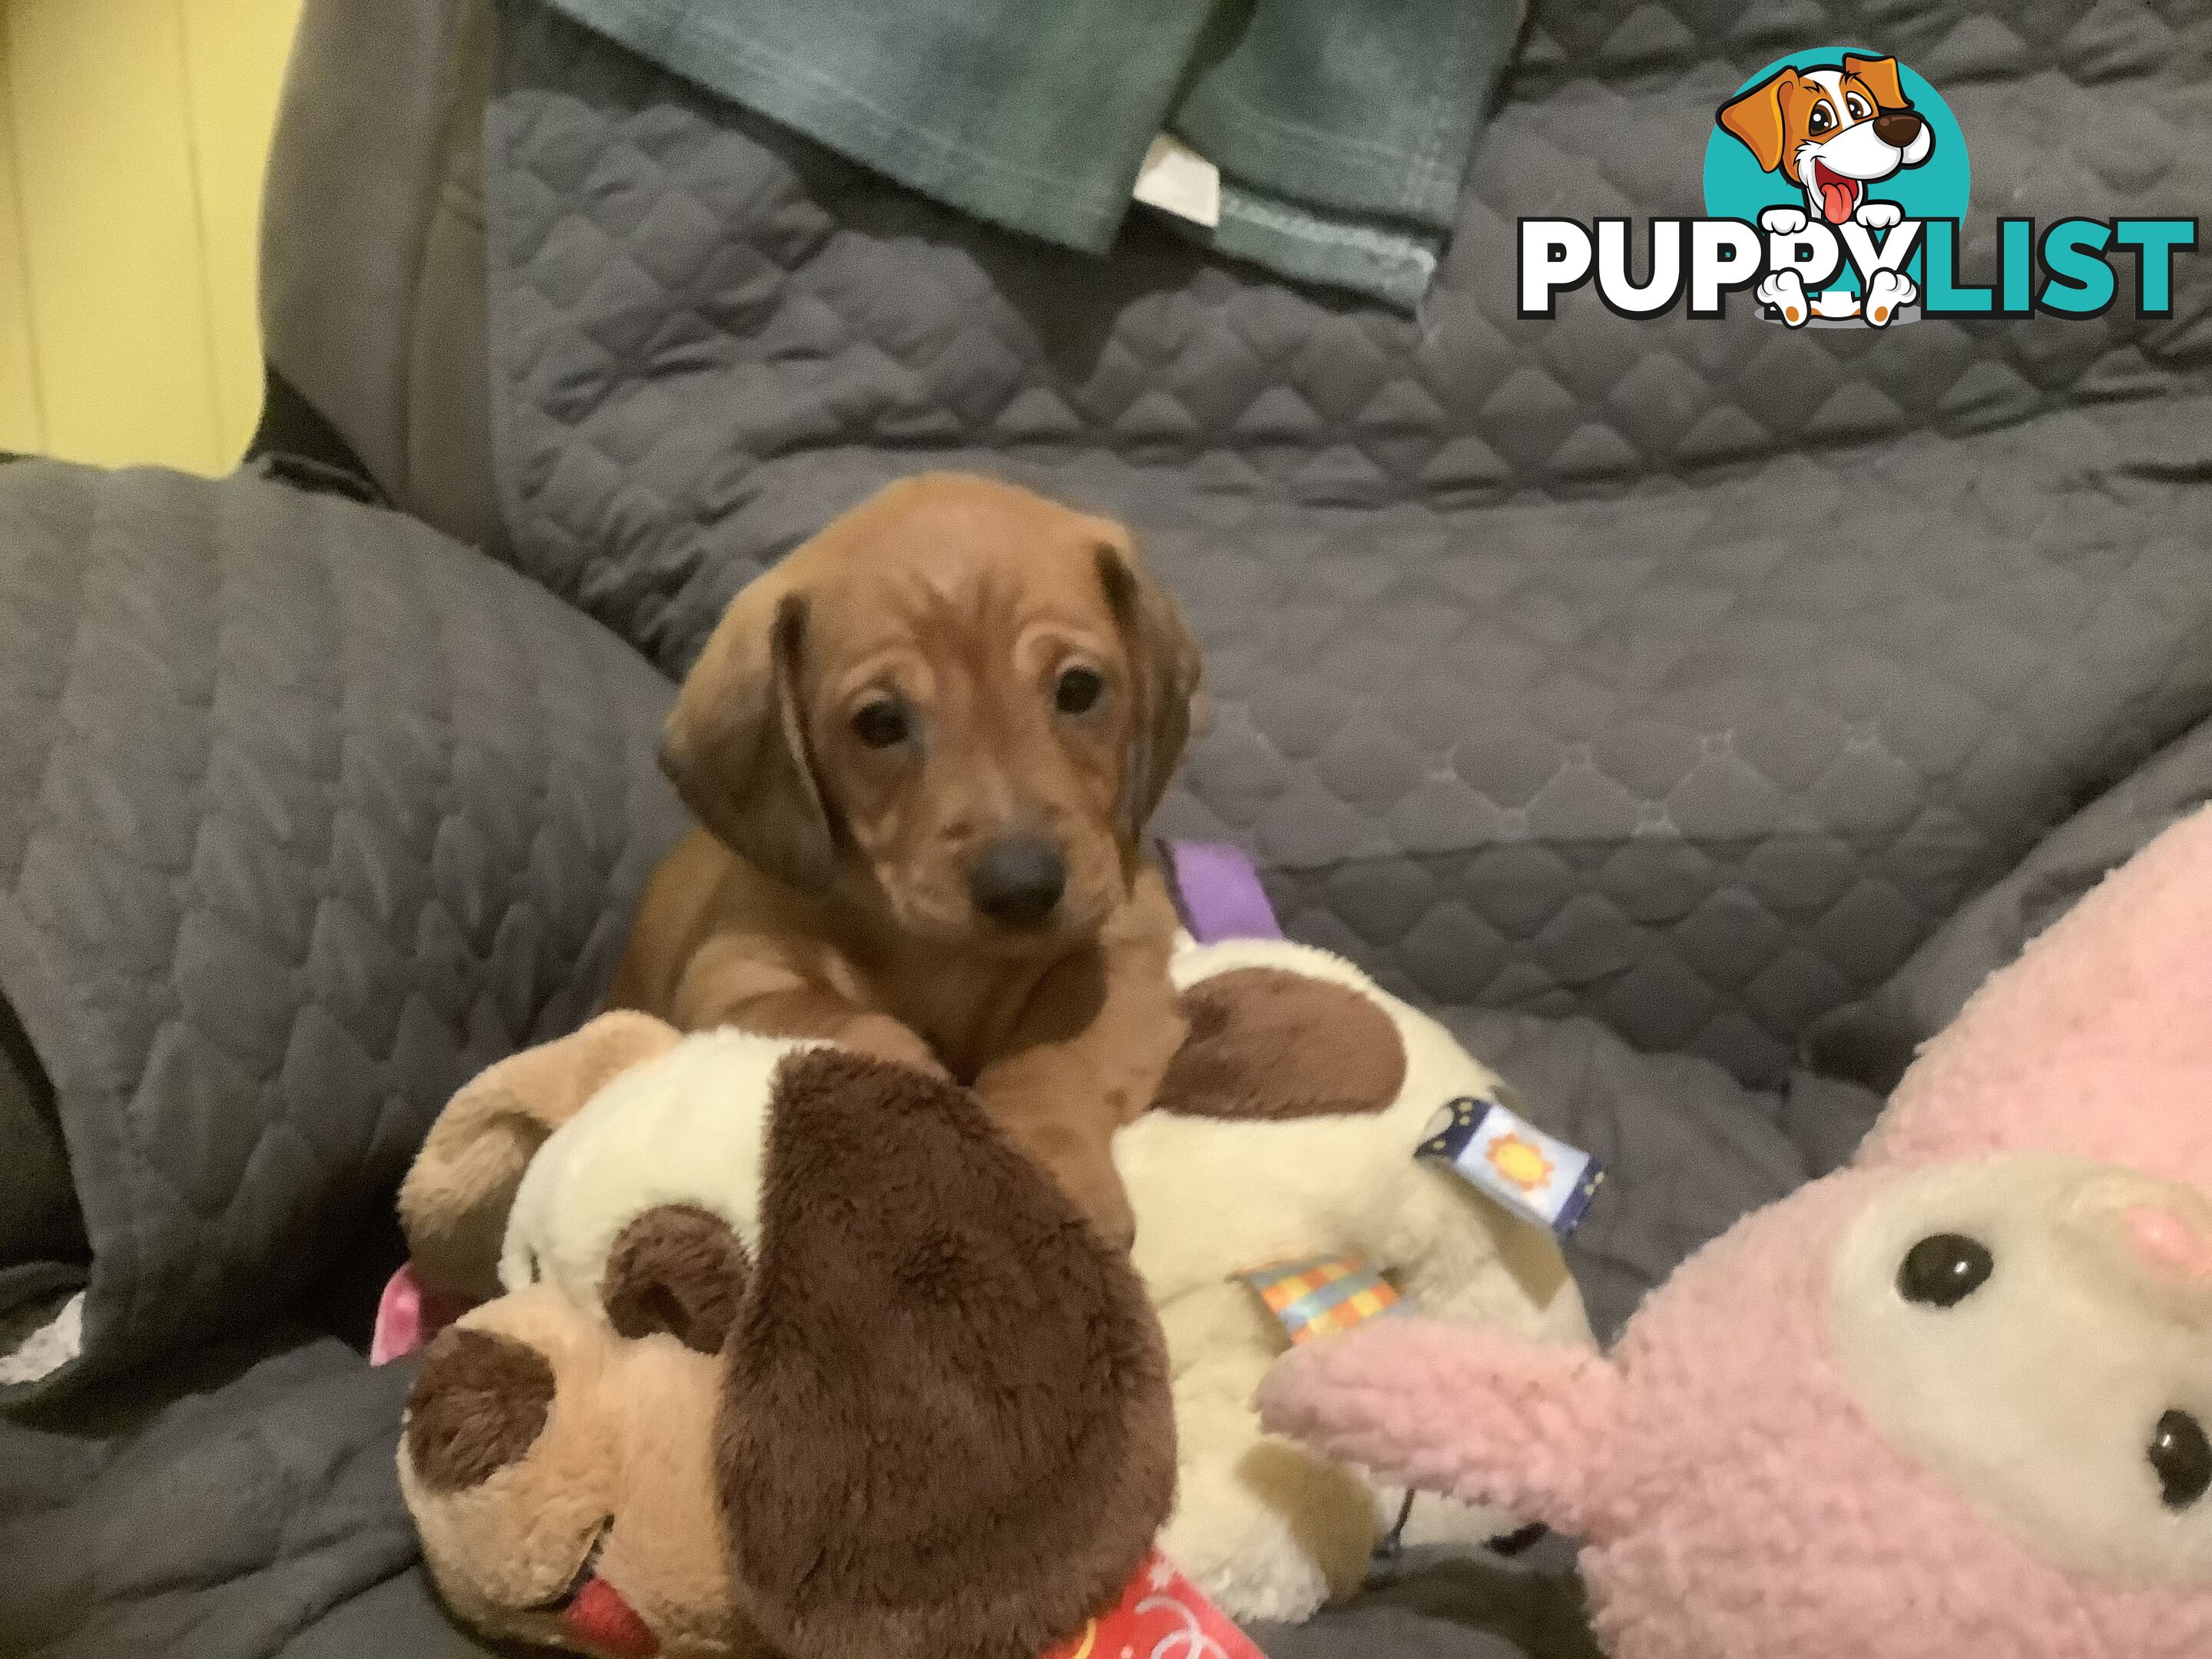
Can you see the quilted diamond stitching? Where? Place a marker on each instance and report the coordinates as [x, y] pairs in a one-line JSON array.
[[317, 814], [1539, 652]]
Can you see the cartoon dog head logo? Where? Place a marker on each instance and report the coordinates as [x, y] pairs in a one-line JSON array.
[[1838, 156], [1833, 132]]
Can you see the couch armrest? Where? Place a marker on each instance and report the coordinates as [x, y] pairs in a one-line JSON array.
[[306, 812]]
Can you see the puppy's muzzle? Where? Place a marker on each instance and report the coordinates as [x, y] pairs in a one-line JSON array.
[[1017, 880], [1897, 128]]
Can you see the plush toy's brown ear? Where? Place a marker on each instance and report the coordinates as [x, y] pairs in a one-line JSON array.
[[1266, 1044], [946, 1427], [676, 1268], [454, 1202]]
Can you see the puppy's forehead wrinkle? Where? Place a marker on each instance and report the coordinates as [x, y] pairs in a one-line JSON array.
[[978, 615]]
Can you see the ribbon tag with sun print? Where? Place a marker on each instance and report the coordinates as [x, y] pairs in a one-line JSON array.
[[1531, 1173]]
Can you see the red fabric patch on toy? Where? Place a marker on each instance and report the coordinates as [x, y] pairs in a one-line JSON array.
[[600, 1620], [408, 1315], [1161, 1615]]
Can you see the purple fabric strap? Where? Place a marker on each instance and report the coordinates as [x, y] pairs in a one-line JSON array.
[[1220, 892]]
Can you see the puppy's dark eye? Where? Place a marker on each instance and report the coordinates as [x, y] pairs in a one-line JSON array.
[[1858, 106], [1819, 120], [2182, 1459], [882, 723], [1943, 1270], [1078, 690]]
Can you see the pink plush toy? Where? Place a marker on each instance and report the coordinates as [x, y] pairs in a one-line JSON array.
[[1951, 1402]]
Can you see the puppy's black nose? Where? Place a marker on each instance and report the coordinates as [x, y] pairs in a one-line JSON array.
[[1897, 127], [1017, 880]]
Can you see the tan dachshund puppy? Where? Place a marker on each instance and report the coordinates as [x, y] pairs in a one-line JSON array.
[[924, 748]]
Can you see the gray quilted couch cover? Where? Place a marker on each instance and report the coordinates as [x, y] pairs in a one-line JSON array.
[[1682, 674], [1691, 712]]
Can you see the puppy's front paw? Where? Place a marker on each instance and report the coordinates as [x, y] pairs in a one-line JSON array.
[[1783, 291], [881, 1037], [1782, 221], [1878, 216], [1885, 293]]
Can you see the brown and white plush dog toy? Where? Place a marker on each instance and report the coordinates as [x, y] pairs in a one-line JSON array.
[[561, 1476], [1285, 1132], [854, 1381], [1833, 132]]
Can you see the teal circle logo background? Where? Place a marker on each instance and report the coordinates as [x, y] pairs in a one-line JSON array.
[[1937, 189]]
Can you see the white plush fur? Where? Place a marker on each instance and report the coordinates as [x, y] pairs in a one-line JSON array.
[[685, 1127], [1268, 1528], [1265, 1527]]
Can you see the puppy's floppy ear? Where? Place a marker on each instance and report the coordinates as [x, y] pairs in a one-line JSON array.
[[735, 744], [1164, 667], [1881, 76], [945, 1425], [1756, 117]]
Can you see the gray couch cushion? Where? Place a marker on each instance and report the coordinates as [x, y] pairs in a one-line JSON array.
[[1683, 675], [306, 813], [243, 1501], [41, 1230], [1873, 1042]]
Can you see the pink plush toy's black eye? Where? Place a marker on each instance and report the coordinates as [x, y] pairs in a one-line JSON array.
[[1943, 1270], [2181, 1457]]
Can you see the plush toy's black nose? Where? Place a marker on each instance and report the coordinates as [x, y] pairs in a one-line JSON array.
[[1897, 127], [1017, 880]]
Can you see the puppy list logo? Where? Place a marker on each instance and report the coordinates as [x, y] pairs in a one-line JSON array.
[[1836, 182], [1842, 164]]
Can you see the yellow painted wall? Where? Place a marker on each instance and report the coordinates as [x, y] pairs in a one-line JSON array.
[[132, 139]]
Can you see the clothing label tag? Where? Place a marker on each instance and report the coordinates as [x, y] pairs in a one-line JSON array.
[[1177, 179], [1161, 1615], [1518, 1164], [1219, 891], [1323, 1294]]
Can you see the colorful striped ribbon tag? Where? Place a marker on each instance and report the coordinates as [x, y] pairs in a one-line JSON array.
[[1325, 1294]]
